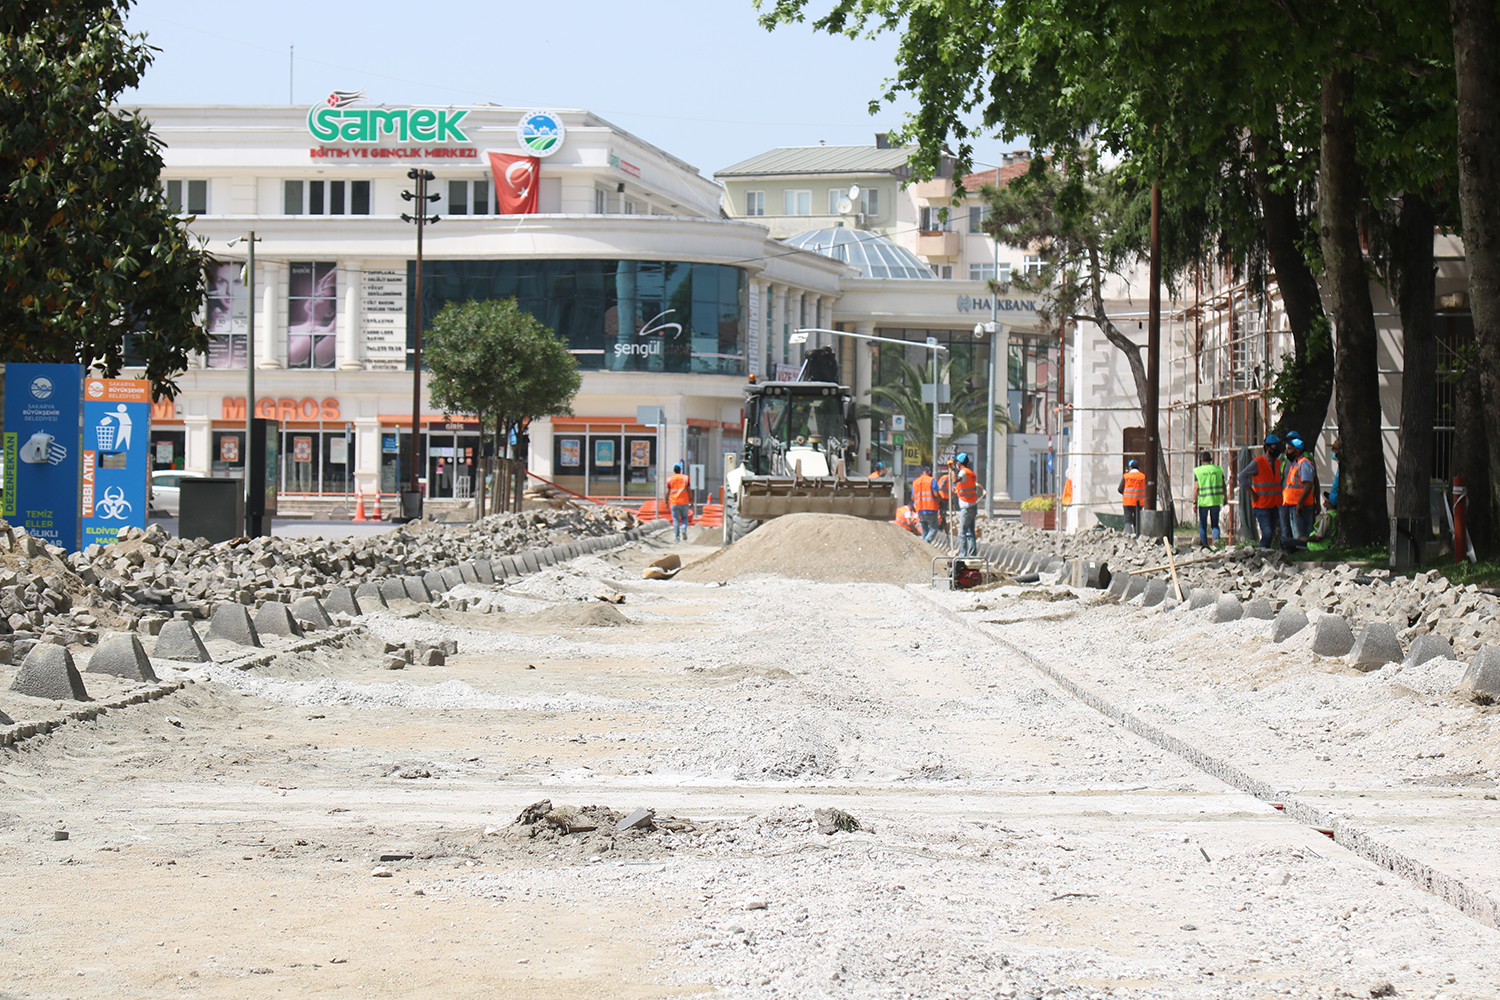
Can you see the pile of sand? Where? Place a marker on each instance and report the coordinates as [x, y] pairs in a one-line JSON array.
[[829, 548], [591, 615]]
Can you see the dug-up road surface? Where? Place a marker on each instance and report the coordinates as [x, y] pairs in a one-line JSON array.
[[323, 827]]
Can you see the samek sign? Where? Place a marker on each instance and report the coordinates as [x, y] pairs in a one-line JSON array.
[[335, 121]]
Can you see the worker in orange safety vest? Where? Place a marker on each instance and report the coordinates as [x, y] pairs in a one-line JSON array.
[[1262, 478], [907, 518], [924, 499], [942, 488], [966, 488], [1133, 489], [680, 499], [1299, 497]]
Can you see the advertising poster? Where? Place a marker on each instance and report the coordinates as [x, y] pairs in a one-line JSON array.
[[229, 449], [226, 317], [383, 305], [570, 453], [604, 453], [640, 454], [302, 449], [312, 314], [116, 457], [43, 441]]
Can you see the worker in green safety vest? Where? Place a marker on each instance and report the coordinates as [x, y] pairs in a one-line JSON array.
[[1208, 494]]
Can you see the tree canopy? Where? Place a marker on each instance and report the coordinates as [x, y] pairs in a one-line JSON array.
[[94, 266], [493, 359]]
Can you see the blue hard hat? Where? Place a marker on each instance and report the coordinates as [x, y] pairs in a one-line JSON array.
[[1272, 439], [677, 467], [1296, 442], [963, 458], [1131, 464]]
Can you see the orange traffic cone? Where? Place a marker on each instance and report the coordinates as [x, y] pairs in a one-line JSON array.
[[359, 504], [378, 516]]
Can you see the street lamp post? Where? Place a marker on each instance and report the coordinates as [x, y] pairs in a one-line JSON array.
[[998, 346], [412, 510]]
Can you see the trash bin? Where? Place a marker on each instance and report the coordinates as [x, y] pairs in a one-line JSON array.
[[411, 505], [211, 508]]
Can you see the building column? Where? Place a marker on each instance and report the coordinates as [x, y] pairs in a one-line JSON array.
[[367, 454], [863, 376], [825, 321], [756, 322], [196, 459], [798, 303], [350, 324], [780, 294], [269, 352], [999, 463]]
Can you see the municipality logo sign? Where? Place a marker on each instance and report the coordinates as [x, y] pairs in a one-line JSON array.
[[41, 387], [540, 133], [335, 120]]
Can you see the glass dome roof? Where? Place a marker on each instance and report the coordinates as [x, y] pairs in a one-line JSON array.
[[874, 255]]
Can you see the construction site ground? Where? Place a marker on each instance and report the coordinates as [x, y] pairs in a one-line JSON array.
[[323, 827]]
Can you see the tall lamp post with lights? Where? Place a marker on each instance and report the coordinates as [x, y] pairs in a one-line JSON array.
[[411, 497], [999, 348]]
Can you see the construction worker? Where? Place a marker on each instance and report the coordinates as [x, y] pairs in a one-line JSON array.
[[1299, 497], [1262, 479], [966, 488], [878, 472], [924, 500], [1133, 489], [1208, 494], [680, 499], [942, 489], [907, 518]]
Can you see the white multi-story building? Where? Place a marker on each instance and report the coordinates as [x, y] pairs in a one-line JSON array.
[[627, 255]]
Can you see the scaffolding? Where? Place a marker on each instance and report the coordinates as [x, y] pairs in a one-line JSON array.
[[1224, 346]]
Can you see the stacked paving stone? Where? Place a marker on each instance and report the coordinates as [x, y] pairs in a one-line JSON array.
[[1463, 616]]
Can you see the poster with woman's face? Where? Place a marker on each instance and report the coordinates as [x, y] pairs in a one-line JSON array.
[[313, 296], [226, 312]]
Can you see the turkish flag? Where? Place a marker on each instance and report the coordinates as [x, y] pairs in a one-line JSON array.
[[516, 180]]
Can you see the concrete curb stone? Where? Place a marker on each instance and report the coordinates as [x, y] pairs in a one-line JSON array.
[[122, 655], [1260, 608], [1332, 636], [1483, 675], [1227, 609], [416, 589], [1288, 623], [1377, 645], [232, 622], [179, 640], [392, 590], [310, 610], [342, 600], [1429, 646], [371, 595], [1201, 597], [1154, 594], [49, 672], [275, 618], [485, 570]]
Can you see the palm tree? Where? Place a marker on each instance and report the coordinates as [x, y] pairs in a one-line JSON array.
[[904, 396]]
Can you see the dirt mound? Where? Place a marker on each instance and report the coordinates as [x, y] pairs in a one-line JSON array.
[[593, 615], [829, 548]]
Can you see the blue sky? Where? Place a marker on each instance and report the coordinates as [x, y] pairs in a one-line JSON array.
[[699, 78]]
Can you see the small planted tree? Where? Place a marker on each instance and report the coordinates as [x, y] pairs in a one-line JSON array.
[[499, 363], [904, 396]]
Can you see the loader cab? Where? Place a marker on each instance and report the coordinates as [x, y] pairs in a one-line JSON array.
[[791, 422]]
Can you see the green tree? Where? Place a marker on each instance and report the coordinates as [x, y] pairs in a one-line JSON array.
[[94, 267], [1237, 107], [496, 361], [904, 395]]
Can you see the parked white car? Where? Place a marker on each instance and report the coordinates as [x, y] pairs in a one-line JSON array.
[[165, 491]]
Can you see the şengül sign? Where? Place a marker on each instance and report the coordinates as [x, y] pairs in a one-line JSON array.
[[334, 120]]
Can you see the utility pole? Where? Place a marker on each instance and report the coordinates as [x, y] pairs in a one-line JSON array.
[[1153, 355], [249, 240], [411, 500]]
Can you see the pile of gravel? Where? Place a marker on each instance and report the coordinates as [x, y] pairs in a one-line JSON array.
[[829, 548]]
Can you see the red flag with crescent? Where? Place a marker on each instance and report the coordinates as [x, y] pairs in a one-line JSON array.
[[516, 184]]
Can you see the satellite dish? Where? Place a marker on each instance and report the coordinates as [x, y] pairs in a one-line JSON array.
[[853, 191], [845, 206]]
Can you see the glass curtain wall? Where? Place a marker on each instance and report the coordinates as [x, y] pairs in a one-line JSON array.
[[625, 315]]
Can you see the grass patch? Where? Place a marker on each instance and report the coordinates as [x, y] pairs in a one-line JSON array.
[[1379, 555], [1480, 574]]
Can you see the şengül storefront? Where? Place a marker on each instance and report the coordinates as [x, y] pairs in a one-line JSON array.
[[662, 317]]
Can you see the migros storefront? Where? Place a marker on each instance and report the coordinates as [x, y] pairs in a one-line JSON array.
[[613, 243]]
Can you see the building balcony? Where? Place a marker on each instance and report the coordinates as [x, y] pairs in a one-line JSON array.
[[937, 190], [937, 245]]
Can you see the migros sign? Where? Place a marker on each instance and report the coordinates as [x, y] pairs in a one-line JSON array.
[[335, 121]]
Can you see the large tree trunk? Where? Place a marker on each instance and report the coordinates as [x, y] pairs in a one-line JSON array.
[[1415, 285], [1312, 361], [1362, 505], [1471, 459], [1476, 61]]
